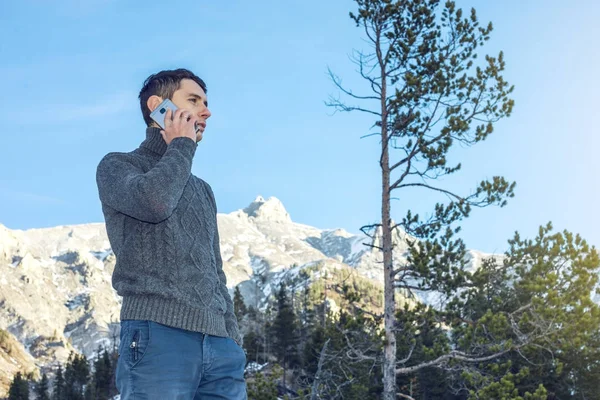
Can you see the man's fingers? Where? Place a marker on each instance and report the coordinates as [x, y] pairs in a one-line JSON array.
[[179, 123], [168, 117], [177, 114]]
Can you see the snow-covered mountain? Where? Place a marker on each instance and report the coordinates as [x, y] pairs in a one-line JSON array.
[[55, 283]]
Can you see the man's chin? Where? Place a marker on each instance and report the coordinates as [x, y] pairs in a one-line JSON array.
[[198, 137]]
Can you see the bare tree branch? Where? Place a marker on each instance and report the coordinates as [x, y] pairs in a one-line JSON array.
[[338, 83], [402, 285], [453, 355], [362, 61], [364, 228], [338, 105], [396, 185]]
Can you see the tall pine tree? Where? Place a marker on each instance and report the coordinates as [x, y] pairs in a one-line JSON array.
[[58, 393], [285, 331], [102, 376], [428, 94], [239, 307], [19, 389], [76, 376], [41, 389], [307, 318]]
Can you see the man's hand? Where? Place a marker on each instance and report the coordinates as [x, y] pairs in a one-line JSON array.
[[182, 124]]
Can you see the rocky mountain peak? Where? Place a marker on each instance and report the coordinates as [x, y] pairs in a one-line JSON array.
[[268, 210]]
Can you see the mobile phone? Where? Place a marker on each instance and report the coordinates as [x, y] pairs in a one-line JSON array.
[[159, 113]]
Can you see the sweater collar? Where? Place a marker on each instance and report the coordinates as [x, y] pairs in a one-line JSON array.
[[154, 141]]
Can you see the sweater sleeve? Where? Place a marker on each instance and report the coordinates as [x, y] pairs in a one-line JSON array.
[[151, 196], [231, 323]]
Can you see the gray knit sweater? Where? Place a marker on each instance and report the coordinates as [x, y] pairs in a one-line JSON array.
[[162, 225]]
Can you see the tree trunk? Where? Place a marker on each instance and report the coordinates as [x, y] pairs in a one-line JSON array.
[[389, 349], [315, 388]]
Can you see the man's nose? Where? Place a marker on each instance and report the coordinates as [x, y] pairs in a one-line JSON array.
[[205, 113]]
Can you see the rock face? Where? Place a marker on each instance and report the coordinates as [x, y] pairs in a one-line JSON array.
[[13, 358], [55, 284], [55, 291]]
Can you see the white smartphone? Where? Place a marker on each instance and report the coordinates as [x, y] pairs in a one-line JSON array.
[[159, 113]]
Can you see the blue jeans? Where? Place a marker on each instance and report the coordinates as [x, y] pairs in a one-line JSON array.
[[160, 362]]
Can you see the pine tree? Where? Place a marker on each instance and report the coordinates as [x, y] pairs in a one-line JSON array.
[[307, 317], [90, 391], [267, 332], [423, 338], [285, 331], [535, 310], [76, 376], [41, 390], [113, 358], [428, 94], [59, 393], [255, 340], [312, 348], [102, 376], [239, 307], [19, 388], [253, 345]]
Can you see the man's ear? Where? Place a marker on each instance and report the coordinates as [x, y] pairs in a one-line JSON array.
[[153, 102]]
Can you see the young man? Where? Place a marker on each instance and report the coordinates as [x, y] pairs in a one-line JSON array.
[[179, 334]]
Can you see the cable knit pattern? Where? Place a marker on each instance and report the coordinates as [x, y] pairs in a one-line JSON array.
[[170, 255], [162, 225], [197, 231]]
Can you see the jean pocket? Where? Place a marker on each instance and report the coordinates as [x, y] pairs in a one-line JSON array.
[[138, 340], [238, 348]]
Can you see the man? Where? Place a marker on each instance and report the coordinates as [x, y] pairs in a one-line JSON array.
[[179, 334]]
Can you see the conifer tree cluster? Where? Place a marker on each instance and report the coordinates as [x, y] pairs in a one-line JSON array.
[[79, 379]]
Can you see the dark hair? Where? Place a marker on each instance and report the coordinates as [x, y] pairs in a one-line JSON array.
[[164, 84]]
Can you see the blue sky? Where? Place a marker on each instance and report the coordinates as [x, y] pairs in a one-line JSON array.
[[71, 72]]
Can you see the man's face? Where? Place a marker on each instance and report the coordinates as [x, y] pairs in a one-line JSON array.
[[191, 97]]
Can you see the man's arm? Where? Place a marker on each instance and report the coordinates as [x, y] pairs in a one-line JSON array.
[[231, 322], [151, 196]]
